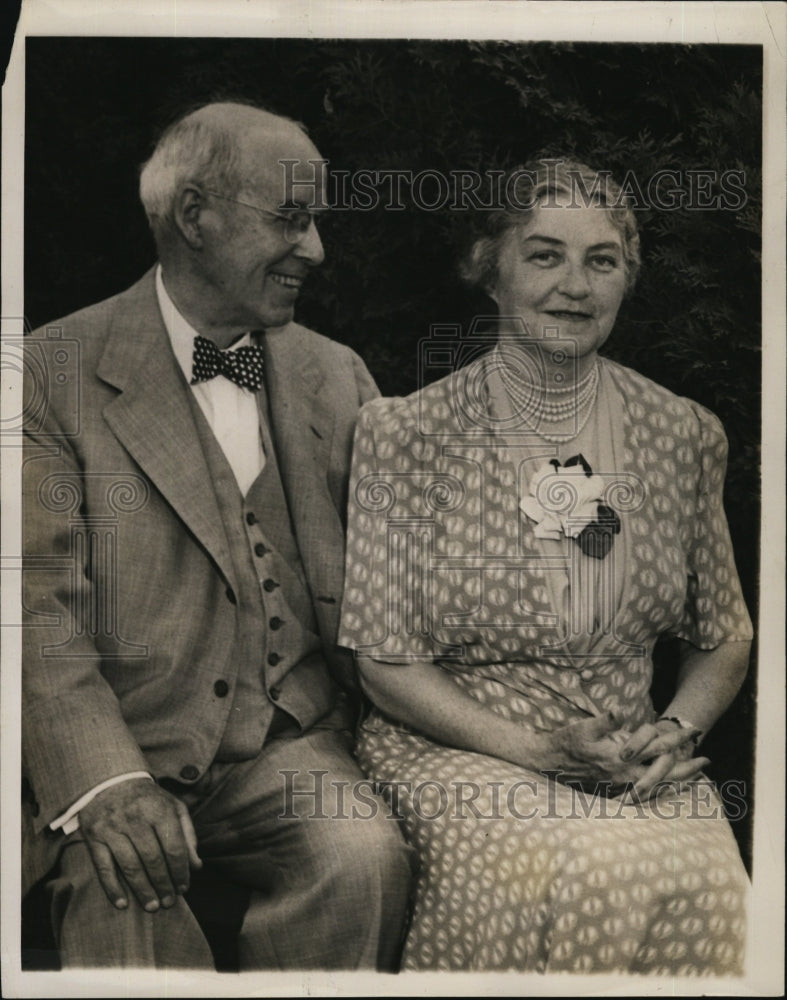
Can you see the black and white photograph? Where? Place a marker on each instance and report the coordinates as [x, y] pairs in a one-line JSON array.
[[393, 453]]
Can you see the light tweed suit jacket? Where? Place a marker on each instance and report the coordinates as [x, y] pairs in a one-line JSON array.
[[128, 569]]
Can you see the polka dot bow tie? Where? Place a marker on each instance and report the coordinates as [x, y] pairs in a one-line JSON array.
[[243, 366]]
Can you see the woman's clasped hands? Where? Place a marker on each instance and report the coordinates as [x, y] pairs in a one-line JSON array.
[[635, 765]]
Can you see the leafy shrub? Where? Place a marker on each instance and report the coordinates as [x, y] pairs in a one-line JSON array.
[[692, 324]]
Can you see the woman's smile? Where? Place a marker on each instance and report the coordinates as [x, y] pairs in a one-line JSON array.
[[570, 315]]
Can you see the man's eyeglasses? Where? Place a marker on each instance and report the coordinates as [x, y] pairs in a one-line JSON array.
[[296, 223]]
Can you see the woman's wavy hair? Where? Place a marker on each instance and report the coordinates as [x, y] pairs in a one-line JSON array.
[[525, 187]]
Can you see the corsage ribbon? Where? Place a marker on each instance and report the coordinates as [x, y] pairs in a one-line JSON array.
[[566, 500]]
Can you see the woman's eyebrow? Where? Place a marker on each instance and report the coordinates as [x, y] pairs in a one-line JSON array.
[[544, 239], [609, 245]]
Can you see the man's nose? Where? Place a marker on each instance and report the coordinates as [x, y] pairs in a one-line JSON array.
[[309, 247]]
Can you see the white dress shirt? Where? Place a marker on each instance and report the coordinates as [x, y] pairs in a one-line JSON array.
[[234, 419], [230, 410]]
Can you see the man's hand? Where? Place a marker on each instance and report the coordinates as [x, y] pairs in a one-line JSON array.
[[146, 834]]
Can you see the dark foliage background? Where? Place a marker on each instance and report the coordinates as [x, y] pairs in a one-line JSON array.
[[95, 106]]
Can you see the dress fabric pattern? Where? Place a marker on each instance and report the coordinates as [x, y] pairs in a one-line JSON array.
[[519, 872]]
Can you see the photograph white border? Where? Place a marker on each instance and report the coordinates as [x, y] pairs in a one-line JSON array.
[[516, 20]]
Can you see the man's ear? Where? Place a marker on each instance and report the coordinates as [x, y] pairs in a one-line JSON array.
[[188, 209]]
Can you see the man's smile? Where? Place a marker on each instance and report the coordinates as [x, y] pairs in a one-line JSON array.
[[287, 280]]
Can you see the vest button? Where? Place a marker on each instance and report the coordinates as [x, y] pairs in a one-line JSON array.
[[273, 659], [259, 550], [274, 693], [270, 585], [251, 517], [275, 623], [189, 772], [586, 675], [221, 689], [231, 595]]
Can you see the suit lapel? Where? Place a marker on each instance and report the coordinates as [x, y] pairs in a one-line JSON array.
[[153, 420], [303, 425]]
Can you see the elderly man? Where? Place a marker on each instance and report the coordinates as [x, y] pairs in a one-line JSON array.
[[184, 699]]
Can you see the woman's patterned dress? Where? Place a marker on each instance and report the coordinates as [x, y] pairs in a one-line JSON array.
[[517, 871]]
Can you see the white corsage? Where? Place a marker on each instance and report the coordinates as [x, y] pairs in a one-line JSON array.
[[565, 500]]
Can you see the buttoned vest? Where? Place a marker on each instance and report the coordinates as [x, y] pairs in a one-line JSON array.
[[276, 647]]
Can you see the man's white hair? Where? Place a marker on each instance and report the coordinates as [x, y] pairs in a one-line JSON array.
[[203, 147]]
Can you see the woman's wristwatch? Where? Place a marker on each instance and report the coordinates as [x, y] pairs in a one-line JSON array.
[[684, 724]]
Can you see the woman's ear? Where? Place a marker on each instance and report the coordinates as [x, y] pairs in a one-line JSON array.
[[489, 284], [483, 258]]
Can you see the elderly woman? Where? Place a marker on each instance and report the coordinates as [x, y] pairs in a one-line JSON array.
[[521, 533]]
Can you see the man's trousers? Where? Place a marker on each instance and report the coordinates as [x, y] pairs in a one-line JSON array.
[[329, 871]]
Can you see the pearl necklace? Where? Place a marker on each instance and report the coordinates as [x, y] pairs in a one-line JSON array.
[[538, 404]]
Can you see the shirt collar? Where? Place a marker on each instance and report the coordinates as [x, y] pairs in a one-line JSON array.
[[180, 332]]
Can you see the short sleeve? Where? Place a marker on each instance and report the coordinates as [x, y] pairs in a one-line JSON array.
[[385, 613], [714, 611]]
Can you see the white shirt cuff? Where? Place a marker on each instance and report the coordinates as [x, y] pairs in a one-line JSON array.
[[69, 820]]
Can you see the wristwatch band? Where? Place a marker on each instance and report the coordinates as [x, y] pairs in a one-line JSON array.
[[684, 724]]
